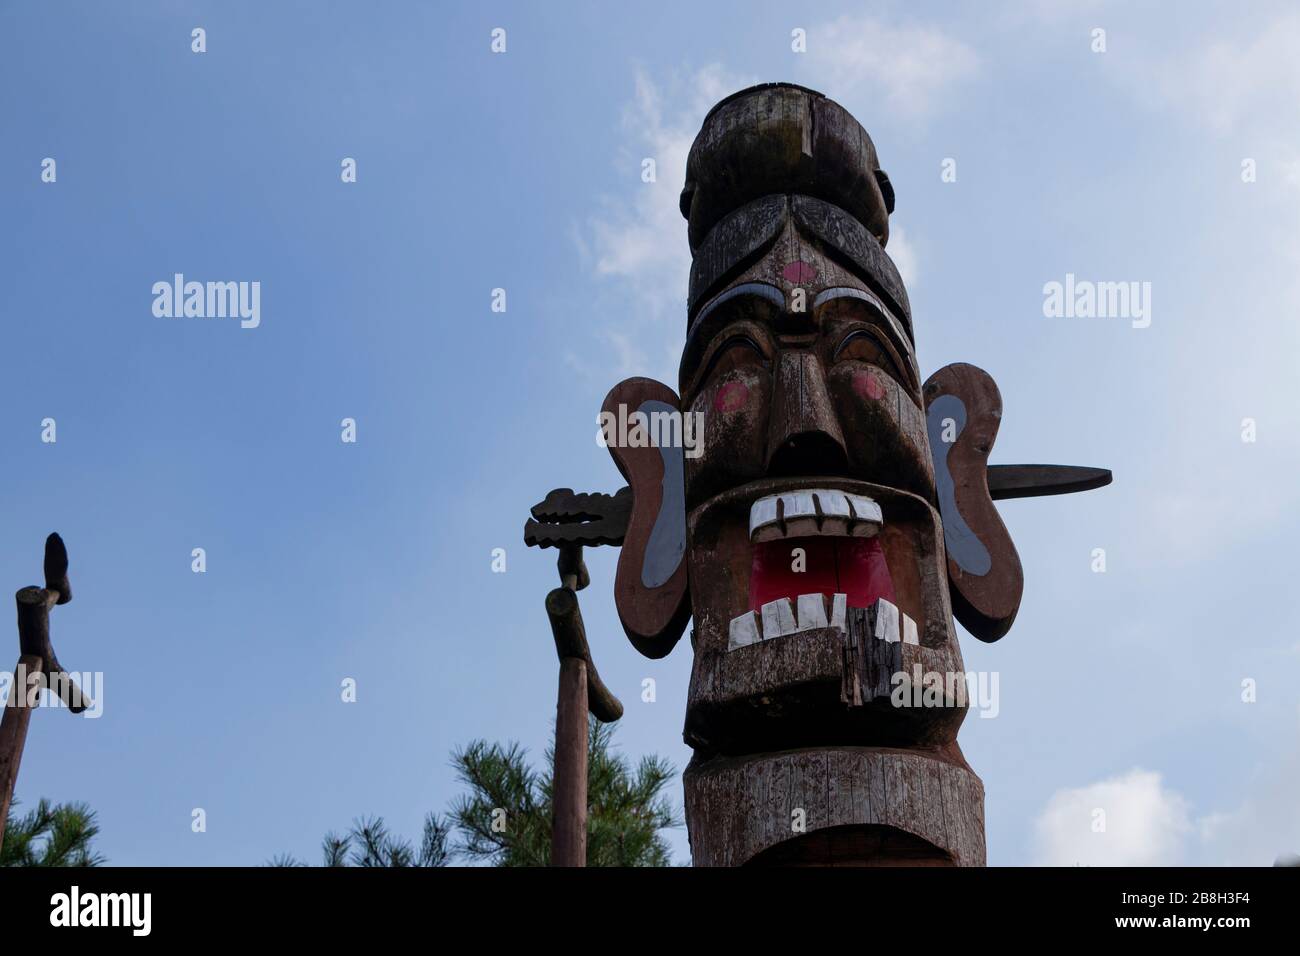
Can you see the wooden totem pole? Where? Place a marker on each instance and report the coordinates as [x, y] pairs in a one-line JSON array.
[[834, 514]]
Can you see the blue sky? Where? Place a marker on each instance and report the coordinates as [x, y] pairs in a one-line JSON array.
[[522, 171]]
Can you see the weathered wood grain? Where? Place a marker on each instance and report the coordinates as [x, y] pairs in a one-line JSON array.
[[881, 804], [736, 241], [803, 423], [779, 138], [13, 732], [846, 237], [888, 439], [571, 641], [569, 804], [821, 684]]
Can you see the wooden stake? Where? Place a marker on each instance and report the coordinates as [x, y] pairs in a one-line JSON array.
[[569, 823], [581, 691], [13, 732], [36, 660]]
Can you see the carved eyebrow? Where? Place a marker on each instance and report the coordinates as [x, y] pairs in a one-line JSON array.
[[761, 290], [848, 292], [746, 331], [891, 354], [693, 349]]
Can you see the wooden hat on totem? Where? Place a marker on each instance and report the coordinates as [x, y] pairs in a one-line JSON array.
[[782, 138]]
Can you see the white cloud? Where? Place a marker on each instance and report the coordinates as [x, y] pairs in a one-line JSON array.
[[1237, 84], [912, 68], [1149, 824], [1145, 824], [1232, 85], [639, 239], [1242, 86], [1266, 825], [903, 253]]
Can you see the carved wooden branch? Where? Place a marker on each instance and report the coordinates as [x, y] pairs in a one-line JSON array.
[[581, 690], [34, 622], [56, 568], [571, 642], [36, 660], [34, 638], [573, 570]]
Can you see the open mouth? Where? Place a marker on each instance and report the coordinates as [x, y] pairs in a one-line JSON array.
[[816, 553], [780, 556], [778, 566]]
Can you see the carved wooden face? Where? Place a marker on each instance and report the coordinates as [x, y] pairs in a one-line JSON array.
[[812, 492], [800, 369]]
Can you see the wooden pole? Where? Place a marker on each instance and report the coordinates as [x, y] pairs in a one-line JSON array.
[[569, 823], [36, 663], [581, 692], [13, 732]]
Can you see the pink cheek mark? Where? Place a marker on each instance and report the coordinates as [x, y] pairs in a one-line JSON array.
[[868, 386], [731, 396], [800, 273]]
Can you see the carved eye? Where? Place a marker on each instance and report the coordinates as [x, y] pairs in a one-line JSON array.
[[739, 351], [862, 346]]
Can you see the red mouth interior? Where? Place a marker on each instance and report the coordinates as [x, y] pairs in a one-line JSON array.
[[852, 566]]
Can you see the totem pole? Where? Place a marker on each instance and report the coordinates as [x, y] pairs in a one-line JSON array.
[[833, 516]]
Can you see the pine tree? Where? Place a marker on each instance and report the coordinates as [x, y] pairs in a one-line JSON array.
[[505, 817], [51, 835], [625, 812]]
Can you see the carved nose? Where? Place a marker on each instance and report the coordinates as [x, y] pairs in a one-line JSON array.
[[804, 436]]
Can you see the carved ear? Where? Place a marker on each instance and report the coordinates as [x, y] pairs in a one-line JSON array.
[[650, 588], [963, 411]]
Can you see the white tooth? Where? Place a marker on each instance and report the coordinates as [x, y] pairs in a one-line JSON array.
[[778, 618], [886, 621], [762, 512], [833, 503], [812, 611], [799, 504], [839, 605], [744, 631], [909, 631], [864, 509], [813, 511]]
